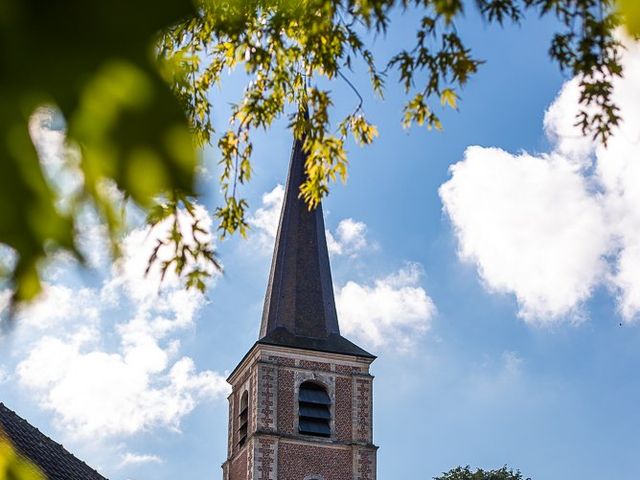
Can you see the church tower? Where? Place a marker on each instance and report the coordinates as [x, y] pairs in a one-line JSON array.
[[301, 405]]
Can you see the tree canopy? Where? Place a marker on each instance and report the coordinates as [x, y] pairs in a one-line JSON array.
[[132, 82], [465, 473]]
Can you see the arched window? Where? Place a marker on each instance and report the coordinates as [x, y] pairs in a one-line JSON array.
[[314, 410], [243, 419]]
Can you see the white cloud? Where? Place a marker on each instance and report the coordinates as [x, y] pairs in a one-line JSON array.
[[48, 136], [95, 393], [393, 312], [5, 299], [58, 304], [59, 160], [551, 228], [349, 238], [531, 227], [138, 246], [129, 459], [265, 219], [103, 380]]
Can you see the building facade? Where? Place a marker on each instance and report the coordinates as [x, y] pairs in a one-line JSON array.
[[301, 406]]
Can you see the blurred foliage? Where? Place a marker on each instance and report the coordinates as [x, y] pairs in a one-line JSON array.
[[14, 466], [95, 62], [133, 79], [465, 473], [630, 10]]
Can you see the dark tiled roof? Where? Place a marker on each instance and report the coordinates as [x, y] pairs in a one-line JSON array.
[[299, 308], [331, 344], [52, 458]]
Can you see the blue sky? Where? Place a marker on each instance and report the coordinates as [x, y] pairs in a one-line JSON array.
[[501, 297]]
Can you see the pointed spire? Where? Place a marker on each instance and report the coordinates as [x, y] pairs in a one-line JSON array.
[[299, 308], [300, 294]]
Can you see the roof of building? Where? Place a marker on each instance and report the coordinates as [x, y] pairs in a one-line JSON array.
[[52, 458], [299, 308]]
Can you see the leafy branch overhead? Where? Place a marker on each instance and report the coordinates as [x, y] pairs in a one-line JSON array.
[[132, 81], [288, 49]]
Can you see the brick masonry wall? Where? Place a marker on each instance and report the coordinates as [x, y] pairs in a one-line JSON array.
[[238, 467], [266, 459], [317, 366], [365, 464], [362, 421], [230, 428], [275, 450], [297, 461], [246, 383], [234, 420], [253, 401], [267, 398], [343, 409], [285, 401]]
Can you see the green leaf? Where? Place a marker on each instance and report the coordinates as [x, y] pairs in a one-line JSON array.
[[449, 97], [630, 10]]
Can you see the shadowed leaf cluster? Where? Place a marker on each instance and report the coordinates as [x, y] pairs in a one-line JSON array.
[[95, 63]]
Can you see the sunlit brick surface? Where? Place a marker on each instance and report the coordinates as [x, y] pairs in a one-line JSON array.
[[274, 449]]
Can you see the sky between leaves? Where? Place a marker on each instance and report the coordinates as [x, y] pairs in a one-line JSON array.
[[491, 291]]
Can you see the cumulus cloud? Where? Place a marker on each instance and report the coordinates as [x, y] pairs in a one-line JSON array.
[[59, 160], [551, 228], [530, 225], [265, 220], [391, 312], [129, 459], [97, 393], [138, 246], [349, 238], [58, 304], [103, 380]]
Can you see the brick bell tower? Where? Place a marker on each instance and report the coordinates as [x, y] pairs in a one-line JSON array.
[[301, 405]]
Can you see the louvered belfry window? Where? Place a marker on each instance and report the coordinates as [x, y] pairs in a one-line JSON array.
[[243, 419], [314, 410]]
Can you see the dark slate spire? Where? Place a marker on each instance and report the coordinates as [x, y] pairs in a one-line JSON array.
[[299, 308]]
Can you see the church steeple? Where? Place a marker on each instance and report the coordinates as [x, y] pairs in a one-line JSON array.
[[301, 402], [299, 308]]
